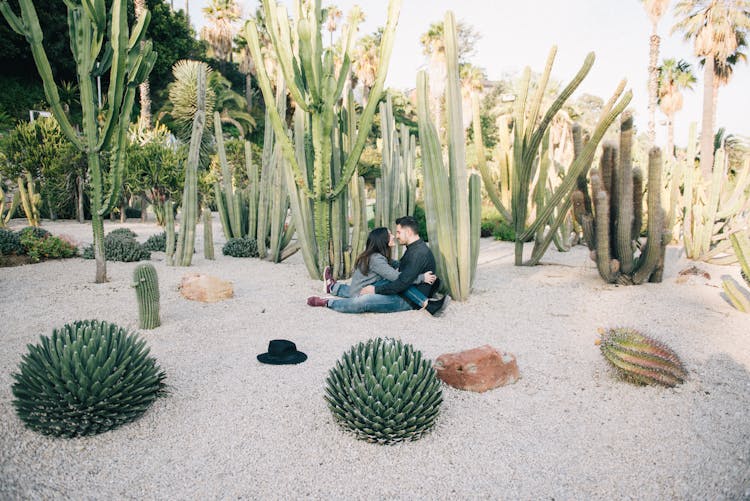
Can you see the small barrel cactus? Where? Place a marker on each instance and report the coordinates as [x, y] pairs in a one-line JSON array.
[[641, 359], [146, 284], [384, 391], [89, 377]]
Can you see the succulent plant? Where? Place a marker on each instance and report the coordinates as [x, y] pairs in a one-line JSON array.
[[123, 232], [10, 243], [240, 247], [384, 391], [88, 377], [146, 284], [641, 359], [120, 247], [34, 231]]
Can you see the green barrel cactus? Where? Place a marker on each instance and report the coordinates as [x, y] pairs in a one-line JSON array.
[[384, 391], [146, 284], [87, 378], [641, 359]]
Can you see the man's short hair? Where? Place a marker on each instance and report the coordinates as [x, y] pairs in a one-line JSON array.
[[408, 222]]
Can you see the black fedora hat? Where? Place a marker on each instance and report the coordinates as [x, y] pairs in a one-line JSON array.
[[282, 352]]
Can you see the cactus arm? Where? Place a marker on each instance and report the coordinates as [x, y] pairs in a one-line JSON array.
[[623, 238], [536, 101], [577, 166], [732, 204], [536, 138], [118, 68], [736, 295], [273, 114], [139, 30], [277, 21], [365, 124], [475, 221], [489, 183], [15, 22], [603, 259], [308, 58], [226, 174], [655, 226], [741, 245], [223, 217]]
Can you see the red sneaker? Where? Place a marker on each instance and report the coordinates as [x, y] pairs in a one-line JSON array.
[[316, 301], [328, 279]]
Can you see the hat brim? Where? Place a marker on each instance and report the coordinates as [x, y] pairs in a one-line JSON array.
[[291, 359]]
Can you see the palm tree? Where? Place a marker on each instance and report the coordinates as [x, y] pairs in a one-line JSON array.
[[655, 10], [365, 65], [221, 27], [144, 90], [715, 27], [724, 69], [674, 77], [472, 81]]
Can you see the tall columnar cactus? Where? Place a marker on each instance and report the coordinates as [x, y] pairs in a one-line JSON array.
[[208, 234], [170, 244], [452, 205], [529, 130], [146, 284], [641, 359], [6, 211], [396, 188], [613, 232], [384, 391], [309, 73], [712, 211], [186, 240], [30, 199], [128, 61]]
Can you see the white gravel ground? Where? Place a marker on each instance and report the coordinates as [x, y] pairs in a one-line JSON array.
[[233, 428]]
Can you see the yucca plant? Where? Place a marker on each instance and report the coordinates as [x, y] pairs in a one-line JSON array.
[[384, 391], [87, 378], [641, 359]]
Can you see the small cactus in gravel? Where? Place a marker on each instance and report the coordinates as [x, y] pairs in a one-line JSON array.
[[641, 359], [146, 284]]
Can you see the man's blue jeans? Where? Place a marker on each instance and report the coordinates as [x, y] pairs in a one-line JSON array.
[[374, 303]]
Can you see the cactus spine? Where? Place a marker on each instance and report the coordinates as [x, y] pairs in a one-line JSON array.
[[146, 285], [30, 199], [396, 188], [186, 240], [529, 130], [128, 61], [641, 359], [309, 73], [613, 232], [452, 222], [208, 235]]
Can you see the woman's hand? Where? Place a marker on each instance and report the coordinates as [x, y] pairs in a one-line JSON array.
[[429, 277]]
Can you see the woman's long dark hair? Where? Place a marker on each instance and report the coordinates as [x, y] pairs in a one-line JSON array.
[[377, 242]]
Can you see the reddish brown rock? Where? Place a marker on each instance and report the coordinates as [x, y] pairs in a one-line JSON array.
[[205, 288], [479, 369]]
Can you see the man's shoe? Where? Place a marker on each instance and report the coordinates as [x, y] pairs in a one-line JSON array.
[[436, 307], [328, 279], [316, 301]]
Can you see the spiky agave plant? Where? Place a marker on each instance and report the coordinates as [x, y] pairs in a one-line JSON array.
[[641, 359], [88, 377], [384, 391]]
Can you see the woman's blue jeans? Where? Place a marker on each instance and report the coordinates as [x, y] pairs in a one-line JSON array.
[[374, 303]]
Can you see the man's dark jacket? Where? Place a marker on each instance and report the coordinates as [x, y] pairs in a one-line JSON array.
[[416, 260]]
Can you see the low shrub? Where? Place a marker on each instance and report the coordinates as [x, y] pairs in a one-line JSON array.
[[132, 212], [33, 231], [240, 247], [50, 247], [119, 246], [123, 232], [158, 242], [503, 231], [10, 243]]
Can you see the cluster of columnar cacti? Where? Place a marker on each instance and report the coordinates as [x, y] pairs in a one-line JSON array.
[[737, 295], [208, 234], [530, 128], [30, 199], [641, 359], [323, 158], [87, 378], [613, 231], [128, 62], [183, 255], [384, 391], [396, 189], [146, 284], [452, 203], [713, 208], [7, 211]]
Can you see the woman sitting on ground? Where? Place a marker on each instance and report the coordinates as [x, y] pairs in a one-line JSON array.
[[371, 267]]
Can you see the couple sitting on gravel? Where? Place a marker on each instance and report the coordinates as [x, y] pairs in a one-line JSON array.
[[377, 286]]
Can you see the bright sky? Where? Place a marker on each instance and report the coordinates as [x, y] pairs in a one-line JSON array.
[[520, 33]]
